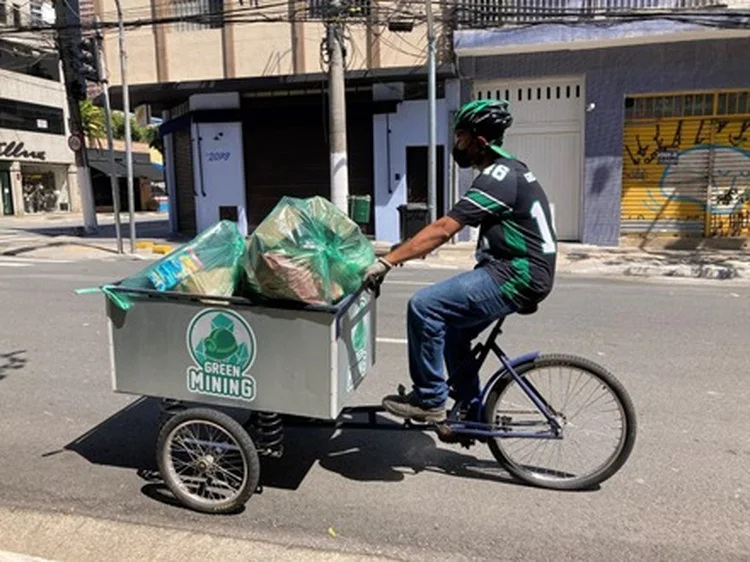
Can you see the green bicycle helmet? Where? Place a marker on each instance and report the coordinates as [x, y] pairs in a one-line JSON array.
[[485, 118]]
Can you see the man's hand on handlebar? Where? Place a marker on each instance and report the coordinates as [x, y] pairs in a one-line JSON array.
[[425, 241], [375, 275]]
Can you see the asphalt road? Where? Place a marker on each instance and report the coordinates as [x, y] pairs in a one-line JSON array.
[[69, 444]]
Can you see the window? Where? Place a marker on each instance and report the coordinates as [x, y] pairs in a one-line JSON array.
[[3, 13], [199, 14], [19, 58], [21, 116], [316, 9], [698, 104], [16, 15], [734, 103]]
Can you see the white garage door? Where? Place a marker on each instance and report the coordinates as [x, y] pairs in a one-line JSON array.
[[547, 134]]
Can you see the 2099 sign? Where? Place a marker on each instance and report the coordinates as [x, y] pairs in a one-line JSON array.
[[218, 156]]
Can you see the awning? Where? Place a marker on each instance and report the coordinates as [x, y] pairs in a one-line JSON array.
[[141, 168], [165, 95]]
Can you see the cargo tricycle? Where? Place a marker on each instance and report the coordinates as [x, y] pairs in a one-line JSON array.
[[554, 421]]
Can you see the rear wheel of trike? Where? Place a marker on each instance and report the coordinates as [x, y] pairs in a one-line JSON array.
[[595, 413], [208, 461]]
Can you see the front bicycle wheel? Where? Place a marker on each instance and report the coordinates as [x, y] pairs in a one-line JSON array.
[[592, 407]]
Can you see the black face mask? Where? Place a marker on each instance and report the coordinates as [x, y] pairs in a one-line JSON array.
[[461, 157]]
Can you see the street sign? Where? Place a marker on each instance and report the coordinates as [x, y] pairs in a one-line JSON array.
[[74, 142]]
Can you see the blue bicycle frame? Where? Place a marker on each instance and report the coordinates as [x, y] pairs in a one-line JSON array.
[[475, 428]]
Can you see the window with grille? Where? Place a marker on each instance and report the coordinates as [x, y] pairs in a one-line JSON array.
[[533, 93], [22, 116], [198, 14], [35, 7], [699, 104]]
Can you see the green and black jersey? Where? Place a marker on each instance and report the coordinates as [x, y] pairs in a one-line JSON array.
[[517, 243]]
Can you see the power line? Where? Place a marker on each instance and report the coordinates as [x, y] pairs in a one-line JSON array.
[[478, 17]]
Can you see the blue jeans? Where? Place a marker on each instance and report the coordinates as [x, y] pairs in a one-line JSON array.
[[442, 321]]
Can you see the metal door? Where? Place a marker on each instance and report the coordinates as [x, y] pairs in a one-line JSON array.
[[7, 192]]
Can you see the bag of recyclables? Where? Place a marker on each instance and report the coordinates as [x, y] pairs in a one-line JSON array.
[[210, 264], [309, 251]]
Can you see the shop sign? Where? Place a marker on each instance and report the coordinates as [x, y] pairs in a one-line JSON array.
[[17, 149]]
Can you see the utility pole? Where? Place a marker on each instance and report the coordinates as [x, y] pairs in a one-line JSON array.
[[103, 76], [337, 109], [431, 118], [67, 15], [126, 109]]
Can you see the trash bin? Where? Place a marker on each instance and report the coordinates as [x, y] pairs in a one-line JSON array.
[[359, 208], [413, 218]]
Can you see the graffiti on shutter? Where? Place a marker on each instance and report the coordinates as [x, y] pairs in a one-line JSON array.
[[729, 206], [687, 175]]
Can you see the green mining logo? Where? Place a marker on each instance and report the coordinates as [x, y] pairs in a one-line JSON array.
[[223, 347]]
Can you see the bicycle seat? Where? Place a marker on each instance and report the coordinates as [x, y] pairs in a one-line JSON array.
[[531, 309]]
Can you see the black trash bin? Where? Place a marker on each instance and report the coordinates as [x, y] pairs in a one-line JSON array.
[[413, 218]]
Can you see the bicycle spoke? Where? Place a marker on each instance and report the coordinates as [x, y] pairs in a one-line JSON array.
[[590, 415]]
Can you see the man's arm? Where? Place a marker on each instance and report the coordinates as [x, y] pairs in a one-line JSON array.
[[425, 241]]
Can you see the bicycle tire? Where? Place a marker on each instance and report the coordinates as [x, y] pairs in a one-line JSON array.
[[236, 432], [607, 470]]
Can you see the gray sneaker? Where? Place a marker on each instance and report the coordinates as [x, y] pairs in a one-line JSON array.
[[407, 406]]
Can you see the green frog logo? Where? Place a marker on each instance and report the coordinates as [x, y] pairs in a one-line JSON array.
[[223, 347]]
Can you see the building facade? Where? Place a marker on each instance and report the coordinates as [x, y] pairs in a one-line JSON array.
[[639, 128], [245, 110], [37, 169]]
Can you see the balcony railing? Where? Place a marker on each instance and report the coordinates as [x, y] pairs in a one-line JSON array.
[[498, 13]]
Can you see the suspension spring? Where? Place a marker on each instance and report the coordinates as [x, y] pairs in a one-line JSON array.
[[268, 430]]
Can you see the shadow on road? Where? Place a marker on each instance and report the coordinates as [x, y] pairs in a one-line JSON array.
[[387, 456], [48, 236], [128, 440], [153, 228], [125, 440], [12, 361]]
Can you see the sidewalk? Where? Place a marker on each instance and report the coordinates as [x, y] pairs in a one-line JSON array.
[[622, 261], [63, 537], [61, 237]]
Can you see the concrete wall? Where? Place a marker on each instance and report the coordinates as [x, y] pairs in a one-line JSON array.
[[611, 74], [408, 127], [30, 89], [249, 49], [263, 49]]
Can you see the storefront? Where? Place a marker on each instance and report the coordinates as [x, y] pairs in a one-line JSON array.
[[37, 174], [686, 166]]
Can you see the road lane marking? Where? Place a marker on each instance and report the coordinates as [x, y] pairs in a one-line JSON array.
[[396, 341]]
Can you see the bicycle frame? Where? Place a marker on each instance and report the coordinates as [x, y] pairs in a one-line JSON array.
[[473, 428]]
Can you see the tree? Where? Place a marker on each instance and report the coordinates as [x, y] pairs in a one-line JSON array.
[[154, 140], [92, 122], [137, 133]]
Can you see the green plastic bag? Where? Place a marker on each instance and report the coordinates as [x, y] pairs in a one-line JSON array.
[[210, 265], [307, 250]]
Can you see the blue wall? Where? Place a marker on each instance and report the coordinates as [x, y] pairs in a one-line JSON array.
[[611, 74]]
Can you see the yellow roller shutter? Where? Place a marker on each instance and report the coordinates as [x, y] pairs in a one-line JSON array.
[[730, 178], [665, 175]]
